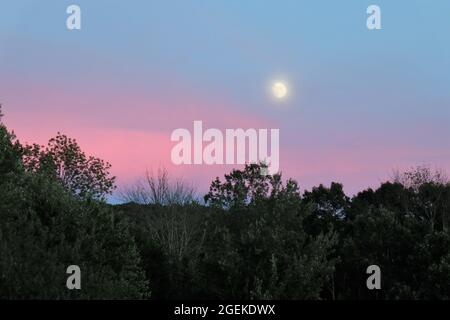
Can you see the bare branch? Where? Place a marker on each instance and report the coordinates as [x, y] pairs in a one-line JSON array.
[[420, 175], [159, 189]]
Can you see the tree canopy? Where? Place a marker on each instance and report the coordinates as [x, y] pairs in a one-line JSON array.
[[44, 228], [63, 160], [256, 237]]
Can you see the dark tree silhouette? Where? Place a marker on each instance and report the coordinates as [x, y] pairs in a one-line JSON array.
[[64, 160]]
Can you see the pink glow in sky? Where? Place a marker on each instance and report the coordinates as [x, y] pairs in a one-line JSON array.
[[137, 138], [361, 103]]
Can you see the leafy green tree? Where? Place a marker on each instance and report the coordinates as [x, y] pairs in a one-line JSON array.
[[64, 160], [329, 207], [388, 227], [44, 229], [256, 246]]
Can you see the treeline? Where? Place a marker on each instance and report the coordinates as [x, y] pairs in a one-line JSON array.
[[252, 236], [259, 238], [52, 216]]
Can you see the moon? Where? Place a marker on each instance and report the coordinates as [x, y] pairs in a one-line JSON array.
[[279, 90]]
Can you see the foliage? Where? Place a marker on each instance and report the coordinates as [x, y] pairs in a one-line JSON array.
[[265, 252], [256, 237], [44, 229], [63, 160]]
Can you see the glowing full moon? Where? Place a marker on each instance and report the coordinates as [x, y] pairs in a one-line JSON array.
[[279, 90]]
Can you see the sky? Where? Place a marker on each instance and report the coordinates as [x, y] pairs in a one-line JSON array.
[[361, 102]]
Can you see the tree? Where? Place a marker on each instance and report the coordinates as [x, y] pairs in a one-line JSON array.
[[159, 190], [244, 187], [10, 154], [167, 220], [329, 205], [329, 208], [64, 160], [171, 240], [431, 190], [420, 175], [44, 229], [265, 252], [388, 227]]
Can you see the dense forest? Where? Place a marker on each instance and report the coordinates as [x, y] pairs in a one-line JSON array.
[[252, 236]]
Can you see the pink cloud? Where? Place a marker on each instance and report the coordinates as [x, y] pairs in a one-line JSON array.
[[131, 129]]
